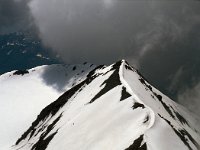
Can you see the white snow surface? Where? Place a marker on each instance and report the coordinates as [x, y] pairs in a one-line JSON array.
[[22, 97], [113, 108]]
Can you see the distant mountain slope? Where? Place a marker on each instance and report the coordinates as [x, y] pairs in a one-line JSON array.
[[114, 108], [21, 51], [24, 93]]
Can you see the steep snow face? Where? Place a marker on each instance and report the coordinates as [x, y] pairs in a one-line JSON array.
[[24, 93], [114, 108], [174, 127]]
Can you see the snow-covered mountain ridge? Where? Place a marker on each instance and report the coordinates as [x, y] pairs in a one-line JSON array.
[[24, 93], [113, 108]]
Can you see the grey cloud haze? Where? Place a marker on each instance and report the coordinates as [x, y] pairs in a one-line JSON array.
[[14, 15], [113, 29], [82, 30]]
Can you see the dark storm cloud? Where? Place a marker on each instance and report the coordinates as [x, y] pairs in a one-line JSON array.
[[172, 61], [172, 51], [14, 15], [82, 30], [112, 29], [159, 37]]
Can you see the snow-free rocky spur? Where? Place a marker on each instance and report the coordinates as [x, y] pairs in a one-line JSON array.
[[112, 108]]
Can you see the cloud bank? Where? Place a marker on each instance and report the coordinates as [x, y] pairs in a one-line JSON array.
[[190, 97], [99, 31], [14, 16]]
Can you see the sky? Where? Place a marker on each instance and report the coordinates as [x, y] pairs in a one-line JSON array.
[[159, 37]]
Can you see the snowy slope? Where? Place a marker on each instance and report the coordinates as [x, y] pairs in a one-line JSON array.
[[114, 108], [23, 94]]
